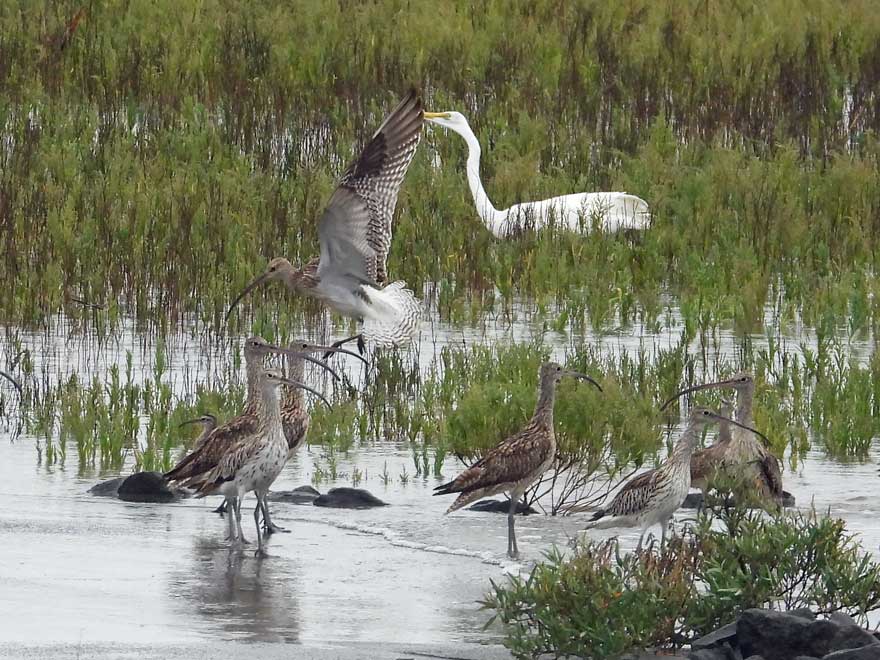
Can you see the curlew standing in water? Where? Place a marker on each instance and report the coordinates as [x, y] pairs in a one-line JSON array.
[[349, 275], [191, 469], [746, 459], [706, 462], [256, 459], [517, 462], [295, 416], [653, 496]]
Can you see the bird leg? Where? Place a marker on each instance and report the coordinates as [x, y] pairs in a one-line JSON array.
[[362, 348], [220, 509], [259, 552], [230, 523], [663, 524], [641, 539], [268, 526], [237, 505], [512, 550]]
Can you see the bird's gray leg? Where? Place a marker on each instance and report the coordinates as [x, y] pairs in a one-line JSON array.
[[512, 550], [241, 539], [230, 523], [663, 525], [259, 552], [641, 539], [268, 525]]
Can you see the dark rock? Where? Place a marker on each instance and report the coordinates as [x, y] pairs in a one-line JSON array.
[[785, 636], [869, 652], [301, 495], [500, 506], [718, 653], [803, 612], [755, 657], [650, 655], [842, 619], [725, 634], [147, 487], [348, 498], [107, 488], [806, 657], [695, 500]]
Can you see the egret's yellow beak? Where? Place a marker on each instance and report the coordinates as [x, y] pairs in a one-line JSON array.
[[436, 115]]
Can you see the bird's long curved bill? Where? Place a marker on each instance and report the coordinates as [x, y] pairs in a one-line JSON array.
[[13, 381], [296, 383], [197, 420], [763, 437], [308, 358], [695, 388], [254, 283], [578, 374]]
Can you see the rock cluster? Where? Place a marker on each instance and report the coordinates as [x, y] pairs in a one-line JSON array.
[[795, 635]]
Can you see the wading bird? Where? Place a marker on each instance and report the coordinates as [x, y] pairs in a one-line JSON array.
[[517, 462], [349, 275], [295, 416], [705, 462], [256, 459], [653, 496], [190, 471], [207, 423], [746, 459], [615, 210]]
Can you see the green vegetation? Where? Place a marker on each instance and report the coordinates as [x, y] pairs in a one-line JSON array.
[[167, 144], [600, 602]]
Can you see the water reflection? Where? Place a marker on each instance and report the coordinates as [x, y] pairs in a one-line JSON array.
[[232, 592]]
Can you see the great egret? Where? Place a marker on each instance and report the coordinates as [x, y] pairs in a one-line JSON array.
[[614, 210], [355, 236]]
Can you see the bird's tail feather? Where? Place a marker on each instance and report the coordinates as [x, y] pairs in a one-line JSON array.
[[396, 316]]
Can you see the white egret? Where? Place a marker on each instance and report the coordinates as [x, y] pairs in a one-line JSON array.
[[576, 212]]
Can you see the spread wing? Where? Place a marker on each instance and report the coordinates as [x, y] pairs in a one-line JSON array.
[[355, 230], [208, 454], [514, 460]]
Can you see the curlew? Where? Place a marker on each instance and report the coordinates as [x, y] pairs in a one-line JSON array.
[[256, 459], [616, 210], [706, 462], [517, 462], [207, 423], [295, 416], [746, 459], [349, 276], [653, 496], [191, 469]]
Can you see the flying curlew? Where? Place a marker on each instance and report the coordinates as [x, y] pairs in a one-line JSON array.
[[514, 464], [349, 276]]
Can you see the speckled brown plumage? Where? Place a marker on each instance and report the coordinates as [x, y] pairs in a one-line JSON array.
[[517, 462], [746, 459]]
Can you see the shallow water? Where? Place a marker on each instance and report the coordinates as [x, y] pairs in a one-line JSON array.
[[76, 568]]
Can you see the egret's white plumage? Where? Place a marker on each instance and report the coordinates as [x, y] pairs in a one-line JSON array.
[[576, 212]]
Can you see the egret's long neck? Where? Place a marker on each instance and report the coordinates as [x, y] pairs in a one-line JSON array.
[[494, 219]]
